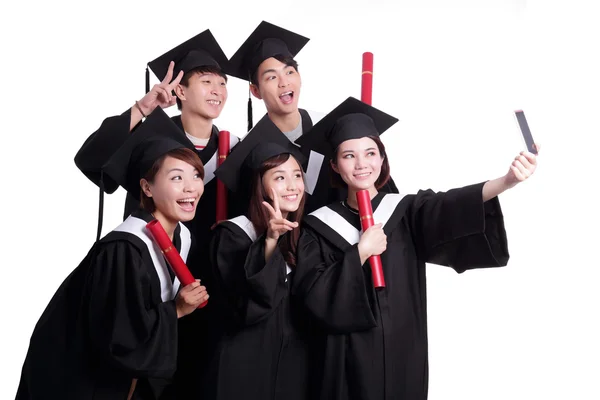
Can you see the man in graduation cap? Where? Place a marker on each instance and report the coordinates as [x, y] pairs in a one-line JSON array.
[[200, 89], [266, 61], [110, 330]]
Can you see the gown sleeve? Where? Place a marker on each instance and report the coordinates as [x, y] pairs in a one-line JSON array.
[[333, 288], [251, 287], [100, 146], [125, 327], [457, 229]]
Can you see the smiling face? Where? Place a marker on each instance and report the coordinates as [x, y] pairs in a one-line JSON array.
[[203, 93], [174, 190], [359, 162], [287, 182], [278, 85]]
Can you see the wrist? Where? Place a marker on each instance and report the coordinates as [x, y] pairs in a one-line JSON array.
[[270, 240], [145, 111]]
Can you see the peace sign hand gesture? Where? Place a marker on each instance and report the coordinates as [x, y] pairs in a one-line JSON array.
[[161, 93], [277, 224]]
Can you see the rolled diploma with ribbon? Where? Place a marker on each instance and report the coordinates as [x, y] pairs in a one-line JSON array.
[[171, 254], [366, 219]]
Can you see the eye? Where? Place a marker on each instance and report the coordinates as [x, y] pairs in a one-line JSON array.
[[372, 153], [348, 156], [176, 178], [223, 83], [206, 81], [298, 175], [197, 176], [270, 77], [279, 178], [291, 71]]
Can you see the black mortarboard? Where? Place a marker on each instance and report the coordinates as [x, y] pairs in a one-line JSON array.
[[352, 119], [155, 137], [200, 51], [264, 141], [266, 41]]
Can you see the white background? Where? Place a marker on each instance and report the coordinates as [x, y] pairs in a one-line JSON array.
[[451, 71]]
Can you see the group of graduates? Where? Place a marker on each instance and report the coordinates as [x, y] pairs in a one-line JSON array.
[[284, 305]]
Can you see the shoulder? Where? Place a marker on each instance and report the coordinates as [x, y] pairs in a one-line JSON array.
[[238, 229]]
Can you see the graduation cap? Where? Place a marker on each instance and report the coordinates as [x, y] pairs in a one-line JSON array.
[[266, 41], [352, 119], [200, 51], [264, 141], [154, 138]]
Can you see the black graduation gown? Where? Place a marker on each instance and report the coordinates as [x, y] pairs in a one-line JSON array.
[[198, 331], [373, 344], [113, 319], [263, 353]]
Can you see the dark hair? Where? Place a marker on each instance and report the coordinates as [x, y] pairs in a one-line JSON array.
[[184, 154], [384, 175], [287, 60], [185, 80], [259, 216]]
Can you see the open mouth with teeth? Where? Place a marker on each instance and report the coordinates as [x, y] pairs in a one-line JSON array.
[[188, 204], [214, 102], [291, 197], [287, 97]]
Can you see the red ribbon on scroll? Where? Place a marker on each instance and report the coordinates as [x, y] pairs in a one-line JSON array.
[[366, 89], [224, 143], [171, 254], [366, 219]]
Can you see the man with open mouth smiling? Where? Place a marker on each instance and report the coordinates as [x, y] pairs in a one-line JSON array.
[[266, 61]]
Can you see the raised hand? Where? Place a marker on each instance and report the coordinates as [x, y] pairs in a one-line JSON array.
[[161, 93], [277, 224], [522, 167]]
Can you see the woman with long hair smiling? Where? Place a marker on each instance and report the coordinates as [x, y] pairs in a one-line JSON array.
[[371, 343]]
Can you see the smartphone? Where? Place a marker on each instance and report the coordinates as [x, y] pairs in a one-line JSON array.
[[525, 131]]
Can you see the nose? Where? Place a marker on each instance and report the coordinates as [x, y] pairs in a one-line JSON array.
[[292, 185], [359, 163], [283, 81]]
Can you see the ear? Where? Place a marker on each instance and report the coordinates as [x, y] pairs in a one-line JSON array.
[[334, 167], [145, 187], [255, 92], [180, 92]]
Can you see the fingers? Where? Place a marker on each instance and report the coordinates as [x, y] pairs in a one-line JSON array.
[[275, 201], [527, 158], [269, 209], [282, 224], [517, 173], [169, 74], [178, 79], [165, 94], [196, 296]]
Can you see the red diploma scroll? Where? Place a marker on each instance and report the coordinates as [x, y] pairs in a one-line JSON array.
[[171, 254], [224, 141], [366, 219], [366, 89]]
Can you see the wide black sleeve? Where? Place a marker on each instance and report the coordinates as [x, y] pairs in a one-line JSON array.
[[333, 287], [126, 328], [251, 287], [100, 146], [457, 229]]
